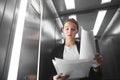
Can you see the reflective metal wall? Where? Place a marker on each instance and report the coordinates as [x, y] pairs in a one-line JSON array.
[[30, 42], [110, 49], [7, 13], [49, 33]]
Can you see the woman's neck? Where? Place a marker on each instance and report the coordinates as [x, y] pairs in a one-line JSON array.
[[69, 43]]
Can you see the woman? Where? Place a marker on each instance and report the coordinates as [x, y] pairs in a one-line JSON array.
[[70, 51]]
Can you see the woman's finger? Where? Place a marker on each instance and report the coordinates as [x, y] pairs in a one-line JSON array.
[[65, 77], [57, 77]]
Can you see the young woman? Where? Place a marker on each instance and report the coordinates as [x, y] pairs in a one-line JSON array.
[[70, 51]]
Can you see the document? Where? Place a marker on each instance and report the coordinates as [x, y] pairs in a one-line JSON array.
[[73, 68], [87, 46]]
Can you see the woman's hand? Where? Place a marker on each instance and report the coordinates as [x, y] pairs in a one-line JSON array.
[[97, 59], [60, 77]]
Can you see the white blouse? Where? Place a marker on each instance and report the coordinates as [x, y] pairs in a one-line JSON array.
[[70, 53]]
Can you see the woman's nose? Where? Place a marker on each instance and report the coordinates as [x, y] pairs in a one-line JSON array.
[[70, 31]]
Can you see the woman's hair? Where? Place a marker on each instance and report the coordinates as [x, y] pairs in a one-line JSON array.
[[73, 21]]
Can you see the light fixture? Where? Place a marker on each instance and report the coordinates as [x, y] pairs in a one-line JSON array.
[[70, 4], [15, 55], [105, 1], [99, 19]]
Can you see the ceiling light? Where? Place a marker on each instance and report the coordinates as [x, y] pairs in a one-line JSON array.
[[70, 4], [105, 1], [99, 19]]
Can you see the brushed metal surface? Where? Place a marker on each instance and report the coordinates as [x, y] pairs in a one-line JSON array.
[[7, 12]]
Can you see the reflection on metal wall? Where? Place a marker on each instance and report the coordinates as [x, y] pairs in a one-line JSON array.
[[110, 48], [7, 8], [30, 41], [30, 44], [2, 7], [48, 38]]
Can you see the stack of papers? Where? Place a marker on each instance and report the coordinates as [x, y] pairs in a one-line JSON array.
[[74, 68]]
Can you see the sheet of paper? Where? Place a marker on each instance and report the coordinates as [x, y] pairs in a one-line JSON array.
[[87, 46], [73, 68], [58, 60]]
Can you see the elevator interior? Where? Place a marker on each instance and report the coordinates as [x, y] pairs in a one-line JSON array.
[[42, 32]]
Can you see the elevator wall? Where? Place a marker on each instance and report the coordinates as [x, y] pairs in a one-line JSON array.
[[110, 48], [7, 14], [30, 43], [49, 35]]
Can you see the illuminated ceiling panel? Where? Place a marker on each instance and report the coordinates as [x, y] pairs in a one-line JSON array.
[[105, 1], [99, 20], [70, 4]]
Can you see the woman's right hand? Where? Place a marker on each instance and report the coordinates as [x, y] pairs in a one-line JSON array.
[[60, 77]]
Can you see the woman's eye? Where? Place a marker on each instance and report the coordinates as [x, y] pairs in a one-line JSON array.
[[67, 29], [73, 29]]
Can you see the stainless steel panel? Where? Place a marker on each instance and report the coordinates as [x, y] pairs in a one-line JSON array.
[[30, 44], [2, 6], [5, 32], [110, 48], [48, 39]]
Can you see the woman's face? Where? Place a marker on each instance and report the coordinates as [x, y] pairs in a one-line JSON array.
[[70, 30]]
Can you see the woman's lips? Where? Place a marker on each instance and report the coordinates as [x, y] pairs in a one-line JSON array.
[[69, 35]]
